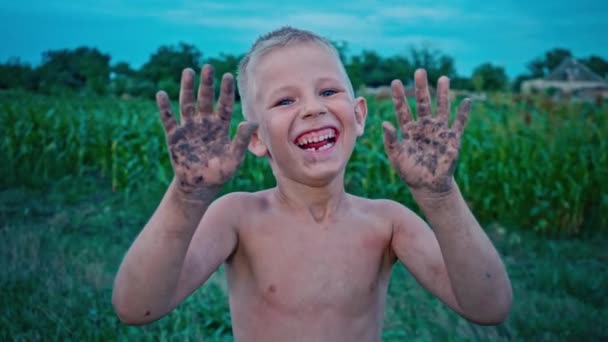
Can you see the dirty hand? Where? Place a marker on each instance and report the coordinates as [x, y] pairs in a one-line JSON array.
[[202, 155], [426, 155]]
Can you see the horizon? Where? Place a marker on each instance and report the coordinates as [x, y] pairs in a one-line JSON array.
[[130, 32]]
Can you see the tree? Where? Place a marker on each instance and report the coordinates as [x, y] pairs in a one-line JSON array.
[[555, 57], [489, 77], [17, 75], [543, 66], [83, 68], [365, 70], [461, 83], [123, 79], [597, 64], [225, 63], [434, 62], [164, 69], [123, 69], [372, 70]]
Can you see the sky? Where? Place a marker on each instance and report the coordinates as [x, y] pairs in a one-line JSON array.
[[502, 32]]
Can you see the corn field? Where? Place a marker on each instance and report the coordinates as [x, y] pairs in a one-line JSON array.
[[526, 163]]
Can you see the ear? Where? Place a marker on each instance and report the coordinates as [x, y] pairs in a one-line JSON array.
[[360, 114], [257, 145]]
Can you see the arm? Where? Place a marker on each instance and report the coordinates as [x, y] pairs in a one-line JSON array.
[[456, 260], [203, 158]]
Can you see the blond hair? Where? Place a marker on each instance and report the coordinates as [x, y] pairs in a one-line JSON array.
[[282, 37]]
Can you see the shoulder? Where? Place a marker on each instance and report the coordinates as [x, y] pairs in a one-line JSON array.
[[403, 220], [237, 204], [384, 208], [235, 201]]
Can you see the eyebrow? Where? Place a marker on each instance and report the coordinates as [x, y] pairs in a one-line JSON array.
[[290, 87]]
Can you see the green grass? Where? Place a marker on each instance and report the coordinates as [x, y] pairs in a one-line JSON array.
[[60, 248]]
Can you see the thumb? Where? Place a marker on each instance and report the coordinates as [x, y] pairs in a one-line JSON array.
[[243, 135], [390, 137]]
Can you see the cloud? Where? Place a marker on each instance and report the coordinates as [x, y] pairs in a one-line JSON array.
[[264, 21], [436, 13]]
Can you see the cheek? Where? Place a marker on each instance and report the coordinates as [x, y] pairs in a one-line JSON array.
[[350, 120], [275, 133]]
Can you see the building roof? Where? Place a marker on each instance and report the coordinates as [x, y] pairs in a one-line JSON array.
[[571, 70]]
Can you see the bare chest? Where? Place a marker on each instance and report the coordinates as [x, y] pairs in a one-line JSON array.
[[297, 267]]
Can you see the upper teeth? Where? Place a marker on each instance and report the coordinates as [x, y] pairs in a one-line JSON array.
[[316, 138]]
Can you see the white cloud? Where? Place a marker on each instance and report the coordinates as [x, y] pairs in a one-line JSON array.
[[402, 12]]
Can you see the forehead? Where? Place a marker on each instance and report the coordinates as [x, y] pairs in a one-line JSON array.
[[297, 60]]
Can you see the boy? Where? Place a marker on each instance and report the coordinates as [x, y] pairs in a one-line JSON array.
[[306, 261]]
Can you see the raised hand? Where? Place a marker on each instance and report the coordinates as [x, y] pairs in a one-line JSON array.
[[426, 155], [202, 154]]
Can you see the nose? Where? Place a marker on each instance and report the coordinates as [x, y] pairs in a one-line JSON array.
[[312, 107]]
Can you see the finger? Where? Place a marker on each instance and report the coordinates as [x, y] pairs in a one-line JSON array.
[[166, 113], [462, 117], [390, 137], [402, 108], [186, 95], [242, 138], [443, 100], [423, 97], [205, 90], [226, 101]]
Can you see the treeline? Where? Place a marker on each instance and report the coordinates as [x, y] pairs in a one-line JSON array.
[[88, 70]]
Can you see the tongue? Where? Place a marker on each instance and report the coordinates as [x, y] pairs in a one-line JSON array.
[[315, 145]]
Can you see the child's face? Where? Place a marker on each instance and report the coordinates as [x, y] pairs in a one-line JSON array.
[[308, 119]]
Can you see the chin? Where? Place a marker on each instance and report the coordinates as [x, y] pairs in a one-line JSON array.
[[321, 178]]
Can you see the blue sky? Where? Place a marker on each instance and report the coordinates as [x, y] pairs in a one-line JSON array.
[[506, 33]]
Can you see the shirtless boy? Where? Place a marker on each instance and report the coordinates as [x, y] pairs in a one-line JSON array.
[[305, 261]]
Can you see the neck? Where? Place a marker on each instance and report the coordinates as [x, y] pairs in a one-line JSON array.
[[320, 202]]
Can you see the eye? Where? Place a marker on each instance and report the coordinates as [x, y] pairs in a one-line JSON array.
[[283, 102], [328, 92]]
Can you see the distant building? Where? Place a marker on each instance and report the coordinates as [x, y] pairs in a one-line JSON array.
[[570, 78]]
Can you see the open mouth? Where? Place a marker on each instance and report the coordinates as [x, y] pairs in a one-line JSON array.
[[318, 140]]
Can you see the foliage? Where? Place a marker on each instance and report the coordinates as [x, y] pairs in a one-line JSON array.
[[598, 65], [543, 66], [436, 63], [17, 75], [530, 163], [223, 64], [60, 247], [83, 68], [371, 70], [164, 68], [87, 70], [489, 77]]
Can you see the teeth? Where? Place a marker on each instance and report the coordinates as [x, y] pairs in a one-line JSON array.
[[322, 148], [307, 140]]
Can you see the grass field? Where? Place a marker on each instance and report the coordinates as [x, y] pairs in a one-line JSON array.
[[80, 177], [60, 248]]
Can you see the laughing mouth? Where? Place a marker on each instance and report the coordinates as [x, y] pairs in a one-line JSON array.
[[318, 140]]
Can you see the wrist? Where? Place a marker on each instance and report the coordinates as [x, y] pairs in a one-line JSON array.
[[202, 195], [426, 197]]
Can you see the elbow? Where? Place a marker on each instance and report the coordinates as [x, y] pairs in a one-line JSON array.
[[122, 311], [496, 312], [494, 318], [126, 314]]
